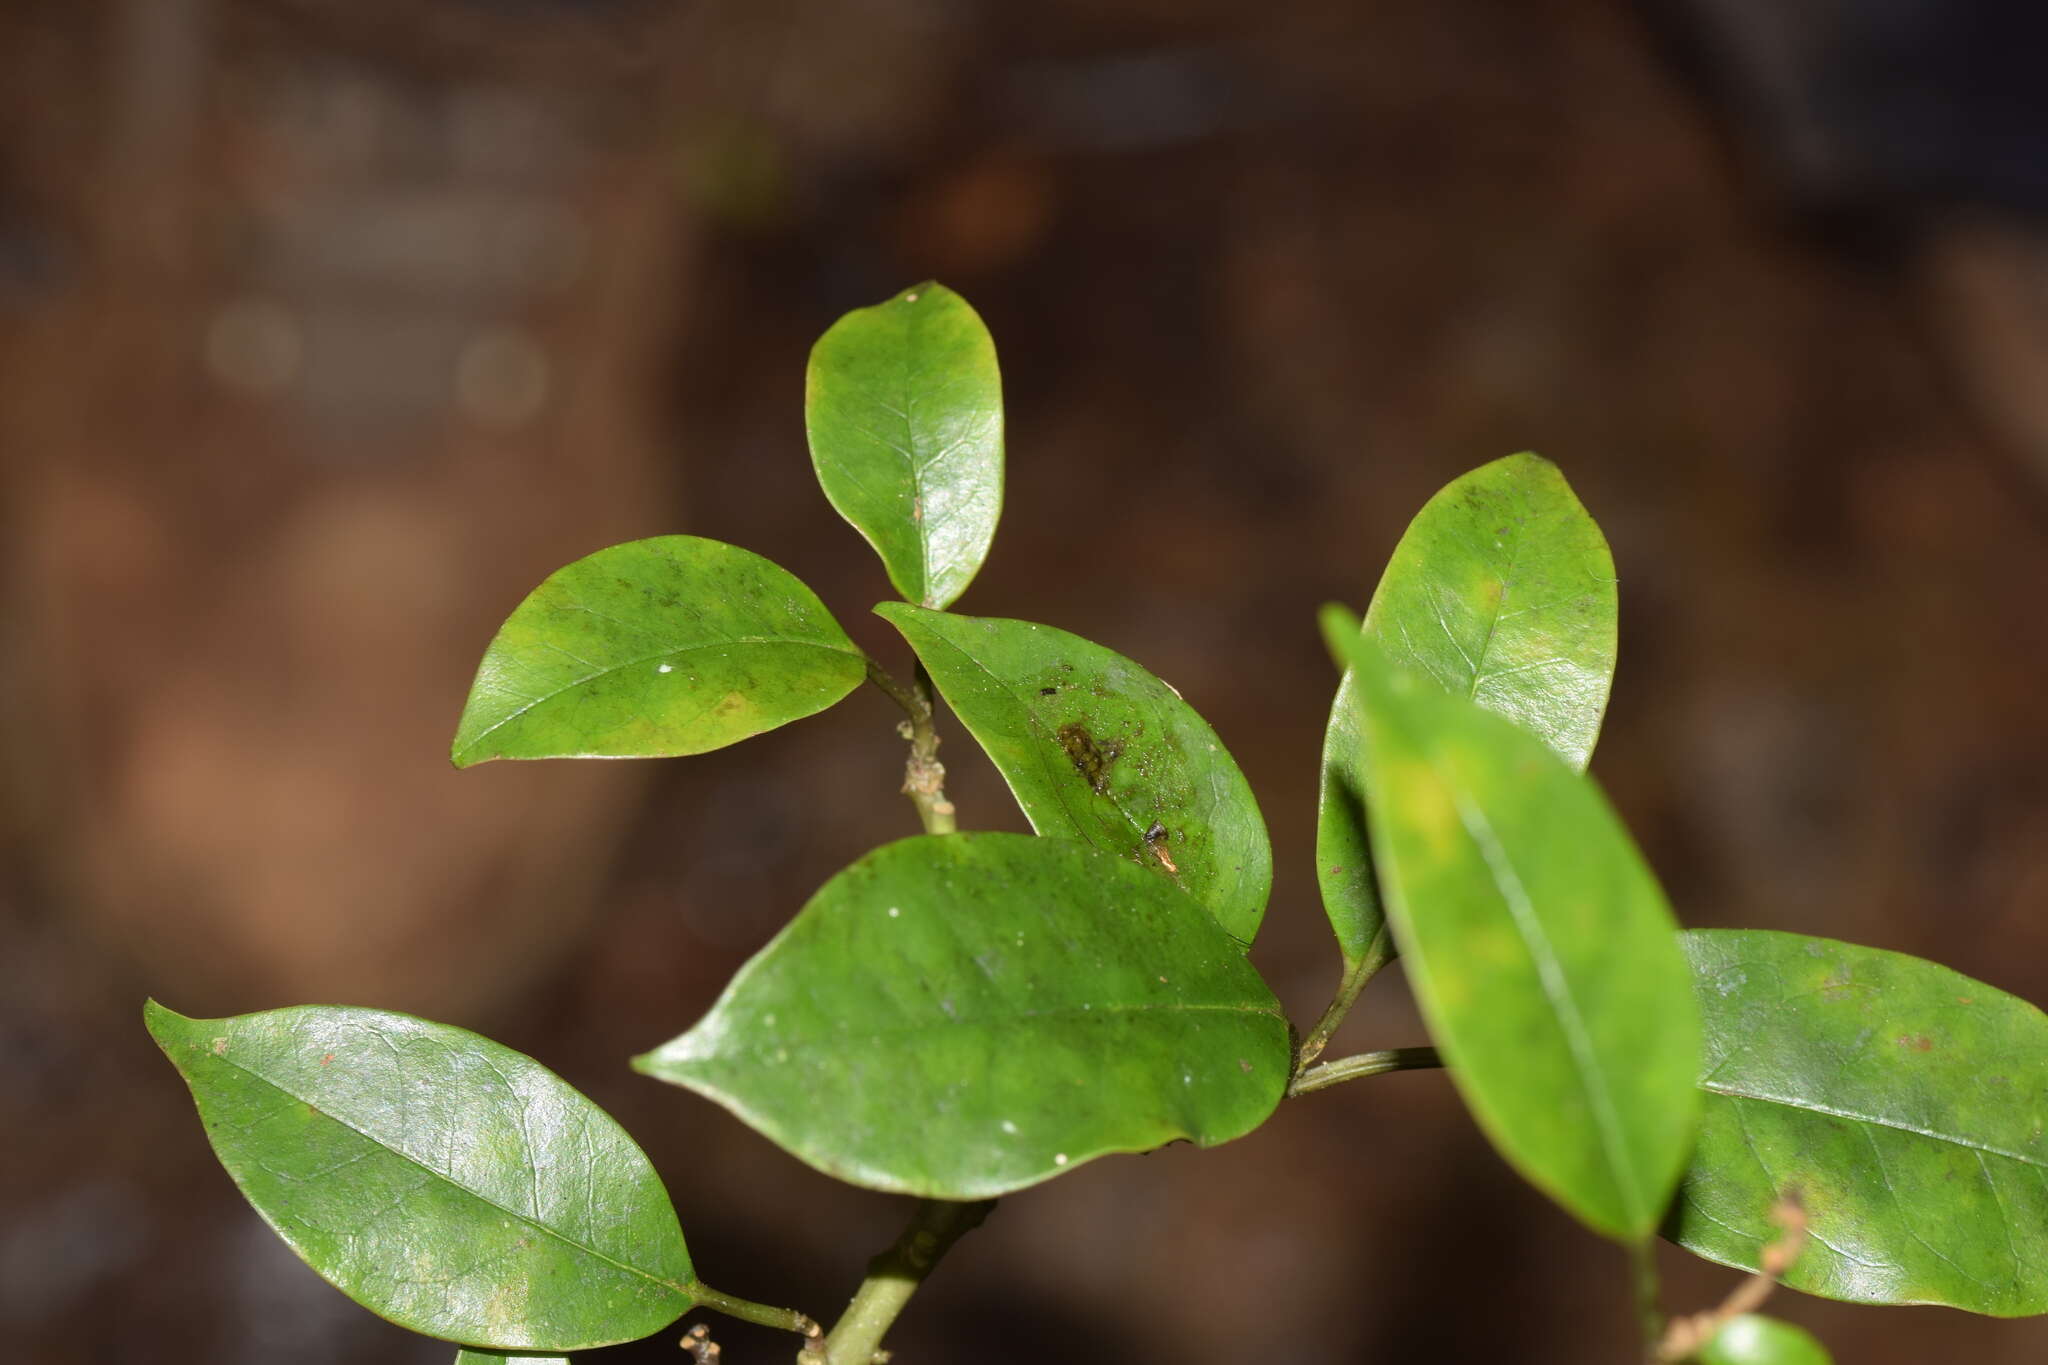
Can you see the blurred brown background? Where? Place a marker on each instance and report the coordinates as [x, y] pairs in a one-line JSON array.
[[327, 329]]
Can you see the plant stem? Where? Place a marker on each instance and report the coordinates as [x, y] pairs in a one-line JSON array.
[[935, 1224], [924, 777], [746, 1310], [892, 1278], [1377, 954], [1642, 1257], [1364, 1064]]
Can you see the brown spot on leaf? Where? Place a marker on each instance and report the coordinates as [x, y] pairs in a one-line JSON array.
[[329, 1057], [1919, 1042], [1091, 758]]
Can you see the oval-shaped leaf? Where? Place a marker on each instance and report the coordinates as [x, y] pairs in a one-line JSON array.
[[1753, 1339], [439, 1179], [1503, 591], [1539, 946], [904, 408], [1096, 748], [654, 649], [961, 1015], [1902, 1102]]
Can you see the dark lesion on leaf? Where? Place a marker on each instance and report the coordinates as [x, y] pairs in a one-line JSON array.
[[1092, 758]]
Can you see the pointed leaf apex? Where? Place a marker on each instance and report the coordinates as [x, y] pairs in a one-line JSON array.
[[1340, 626]]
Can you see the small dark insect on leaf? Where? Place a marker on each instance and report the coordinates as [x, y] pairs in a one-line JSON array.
[[1156, 838]]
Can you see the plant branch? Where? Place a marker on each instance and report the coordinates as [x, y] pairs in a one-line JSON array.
[[892, 1278], [1344, 1069], [924, 777], [1377, 954]]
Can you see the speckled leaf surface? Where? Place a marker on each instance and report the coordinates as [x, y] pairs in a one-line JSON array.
[[903, 404], [962, 1015], [1904, 1102], [1503, 591], [1753, 1339], [1539, 946], [652, 649], [439, 1179], [1096, 748]]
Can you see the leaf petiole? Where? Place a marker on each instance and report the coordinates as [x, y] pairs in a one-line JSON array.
[[1327, 1074], [1377, 954], [746, 1310]]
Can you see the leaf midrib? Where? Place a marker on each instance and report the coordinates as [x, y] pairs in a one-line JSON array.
[[909, 451], [872, 1035], [1814, 1107], [622, 666], [446, 1179], [1556, 986], [1520, 522]]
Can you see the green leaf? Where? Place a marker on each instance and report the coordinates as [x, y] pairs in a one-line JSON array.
[[653, 649], [469, 1357], [1097, 749], [1902, 1102], [961, 1015], [904, 407], [1539, 946], [1503, 591], [1753, 1339], [437, 1178]]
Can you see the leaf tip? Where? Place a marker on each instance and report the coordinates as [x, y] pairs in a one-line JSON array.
[[925, 291], [1340, 627], [161, 1021], [1537, 472]]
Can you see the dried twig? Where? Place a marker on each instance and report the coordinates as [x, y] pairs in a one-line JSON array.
[[1687, 1334]]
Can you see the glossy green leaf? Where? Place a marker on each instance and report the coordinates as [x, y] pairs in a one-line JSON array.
[[653, 649], [1753, 1339], [961, 1015], [1503, 591], [1539, 946], [1905, 1105], [1097, 749], [439, 1179], [470, 1357], [904, 407]]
